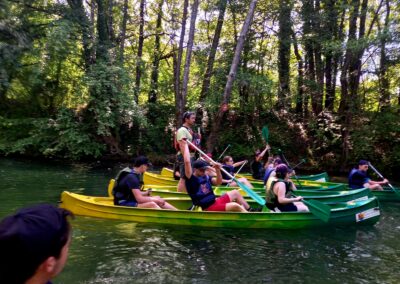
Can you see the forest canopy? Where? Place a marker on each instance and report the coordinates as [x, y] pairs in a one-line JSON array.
[[112, 78]]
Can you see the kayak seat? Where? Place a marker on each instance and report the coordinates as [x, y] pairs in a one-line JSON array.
[[110, 187]]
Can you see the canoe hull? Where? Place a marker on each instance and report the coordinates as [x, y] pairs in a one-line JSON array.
[[102, 207]]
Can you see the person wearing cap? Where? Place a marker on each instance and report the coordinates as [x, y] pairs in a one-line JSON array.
[[257, 168], [229, 165], [279, 192], [186, 132], [199, 186], [128, 184], [358, 178], [34, 244]]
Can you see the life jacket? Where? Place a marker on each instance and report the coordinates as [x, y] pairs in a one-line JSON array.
[[120, 193], [268, 172], [203, 195], [272, 198], [357, 179], [196, 140]]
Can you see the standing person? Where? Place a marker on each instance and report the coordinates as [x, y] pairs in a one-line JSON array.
[[279, 193], [34, 244], [257, 167], [127, 190], [230, 166], [358, 178], [199, 186], [186, 132]]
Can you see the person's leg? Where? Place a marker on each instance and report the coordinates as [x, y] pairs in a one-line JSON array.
[[168, 206], [246, 182], [234, 207], [235, 195], [301, 207], [181, 185], [375, 187], [150, 204]]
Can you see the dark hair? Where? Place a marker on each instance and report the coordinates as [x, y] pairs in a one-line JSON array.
[[141, 160], [226, 159], [187, 115], [363, 162], [281, 171], [28, 238]]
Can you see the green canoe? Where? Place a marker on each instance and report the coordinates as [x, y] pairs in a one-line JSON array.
[[363, 212]]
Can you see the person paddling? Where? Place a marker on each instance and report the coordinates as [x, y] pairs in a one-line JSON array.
[[229, 165], [280, 193], [358, 178], [199, 186], [257, 167], [127, 191]]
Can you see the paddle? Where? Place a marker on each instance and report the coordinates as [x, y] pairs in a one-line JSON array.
[[248, 190], [319, 209], [229, 145], [245, 162], [379, 174], [265, 133]]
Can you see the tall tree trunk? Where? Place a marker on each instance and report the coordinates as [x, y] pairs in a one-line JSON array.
[[213, 50], [139, 59], [179, 103], [384, 84], [300, 76], [189, 48], [123, 32], [102, 31], [319, 65], [110, 20], [79, 14], [284, 53], [231, 77], [157, 55]]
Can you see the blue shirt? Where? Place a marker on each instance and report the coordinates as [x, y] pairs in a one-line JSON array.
[[357, 179]]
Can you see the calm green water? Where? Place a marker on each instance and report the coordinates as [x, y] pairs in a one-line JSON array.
[[105, 251]]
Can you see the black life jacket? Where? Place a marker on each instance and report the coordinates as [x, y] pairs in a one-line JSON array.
[[272, 198], [121, 193]]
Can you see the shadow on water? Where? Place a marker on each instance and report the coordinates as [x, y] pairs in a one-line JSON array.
[[107, 251]]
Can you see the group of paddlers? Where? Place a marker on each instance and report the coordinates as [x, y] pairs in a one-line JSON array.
[[198, 176]]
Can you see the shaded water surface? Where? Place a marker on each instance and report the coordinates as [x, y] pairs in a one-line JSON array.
[[105, 251]]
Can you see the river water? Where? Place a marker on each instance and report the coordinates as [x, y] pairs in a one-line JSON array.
[[105, 251]]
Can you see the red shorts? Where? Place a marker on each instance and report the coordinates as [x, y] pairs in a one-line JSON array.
[[220, 203]]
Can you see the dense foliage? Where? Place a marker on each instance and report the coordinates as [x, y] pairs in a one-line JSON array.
[[110, 78]]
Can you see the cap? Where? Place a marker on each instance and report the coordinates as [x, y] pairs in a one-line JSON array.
[[363, 162], [31, 236], [200, 164], [141, 160], [281, 170], [278, 161]]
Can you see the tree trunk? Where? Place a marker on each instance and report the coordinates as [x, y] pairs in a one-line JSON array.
[[300, 77], [319, 65], [110, 20], [139, 60], [384, 84], [123, 32], [189, 47], [231, 77], [213, 51], [179, 106], [284, 53], [79, 14], [157, 54]]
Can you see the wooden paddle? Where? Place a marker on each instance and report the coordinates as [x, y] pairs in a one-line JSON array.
[[379, 174], [248, 190]]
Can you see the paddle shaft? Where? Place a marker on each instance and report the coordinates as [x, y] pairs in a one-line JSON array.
[[237, 172], [229, 145], [379, 174], [287, 163]]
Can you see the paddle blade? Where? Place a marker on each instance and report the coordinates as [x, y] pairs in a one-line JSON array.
[[318, 209], [257, 198], [265, 133]]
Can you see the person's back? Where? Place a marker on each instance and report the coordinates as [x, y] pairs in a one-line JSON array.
[[34, 244], [357, 178]]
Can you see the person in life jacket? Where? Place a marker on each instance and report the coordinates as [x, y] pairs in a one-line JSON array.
[[127, 191], [199, 186], [230, 166], [358, 178], [280, 194], [186, 132]]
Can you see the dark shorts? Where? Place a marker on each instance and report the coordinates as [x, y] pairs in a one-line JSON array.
[[182, 165], [219, 204], [288, 207], [129, 203]]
